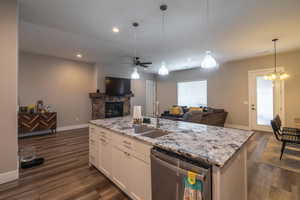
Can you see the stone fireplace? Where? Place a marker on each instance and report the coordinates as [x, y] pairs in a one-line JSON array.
[[104, 106], [114, 109]]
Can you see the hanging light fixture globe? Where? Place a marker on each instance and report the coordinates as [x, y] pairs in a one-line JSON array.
[[135, 75], [209, 61], [163, 70], [276, 75]]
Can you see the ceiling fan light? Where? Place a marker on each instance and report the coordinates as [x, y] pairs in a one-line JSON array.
[[135, 75], [209, 61], [163, 70]]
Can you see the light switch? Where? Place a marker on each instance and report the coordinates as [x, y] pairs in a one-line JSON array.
[[246, 102]]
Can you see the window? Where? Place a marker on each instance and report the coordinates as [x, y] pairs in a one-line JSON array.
[[192, 93]]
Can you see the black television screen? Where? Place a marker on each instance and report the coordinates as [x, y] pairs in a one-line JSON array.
[[117, 86]]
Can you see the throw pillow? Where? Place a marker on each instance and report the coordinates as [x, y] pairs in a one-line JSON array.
[[175, 110], [195, 109]]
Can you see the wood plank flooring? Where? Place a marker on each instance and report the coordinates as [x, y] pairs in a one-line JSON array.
[[65, 175]]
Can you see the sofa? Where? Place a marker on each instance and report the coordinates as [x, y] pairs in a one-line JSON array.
[[209, 116]]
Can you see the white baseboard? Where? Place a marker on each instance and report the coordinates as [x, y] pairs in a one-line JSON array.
[[67, 128], [9, 176], [236, 126]]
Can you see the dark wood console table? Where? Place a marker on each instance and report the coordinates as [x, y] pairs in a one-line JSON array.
[[33, 122]]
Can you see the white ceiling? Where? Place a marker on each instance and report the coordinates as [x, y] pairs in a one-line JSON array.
[[236, 29]]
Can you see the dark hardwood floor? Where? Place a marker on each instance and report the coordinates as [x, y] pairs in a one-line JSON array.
[[267, 182], [65, 175]]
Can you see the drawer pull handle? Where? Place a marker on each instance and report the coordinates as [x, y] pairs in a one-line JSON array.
[[103, 140], [127, 154], [128, 147], [126, 142]]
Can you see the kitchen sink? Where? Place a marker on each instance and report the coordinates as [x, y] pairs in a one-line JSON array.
[[150, 132], [156, 133]]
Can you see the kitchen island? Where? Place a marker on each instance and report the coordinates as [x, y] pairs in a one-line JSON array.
[[224, 149]]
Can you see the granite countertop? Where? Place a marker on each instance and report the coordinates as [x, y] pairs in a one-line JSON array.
[[214, 145]]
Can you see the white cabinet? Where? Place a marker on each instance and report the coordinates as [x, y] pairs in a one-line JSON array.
[[139, 179], [93, 146], [120, 167], [105, 155], [124, 160]]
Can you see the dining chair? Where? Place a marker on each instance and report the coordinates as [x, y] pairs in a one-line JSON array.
[[287, 130], [285, 138]]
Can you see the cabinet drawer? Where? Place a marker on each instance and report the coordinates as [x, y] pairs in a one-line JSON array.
[[92, 132], [123, 142], [92, 129], [134, 147], [103, 132], [141, 151]]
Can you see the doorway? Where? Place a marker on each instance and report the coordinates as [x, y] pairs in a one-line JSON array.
[[150, 97], [266, 99]]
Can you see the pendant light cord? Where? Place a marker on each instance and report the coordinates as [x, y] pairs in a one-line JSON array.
[[163, 31], [135, 29], [275, 57]]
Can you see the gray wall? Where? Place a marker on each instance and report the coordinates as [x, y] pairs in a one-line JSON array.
[[8, 85], [61, 83], [228, 86], [65, 84]]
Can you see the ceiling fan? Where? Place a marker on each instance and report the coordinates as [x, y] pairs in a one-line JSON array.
[[137, 62]]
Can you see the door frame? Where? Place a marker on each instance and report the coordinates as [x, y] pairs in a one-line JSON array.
[[263, 71]]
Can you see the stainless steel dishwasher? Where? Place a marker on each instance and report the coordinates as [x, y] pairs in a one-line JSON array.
[[168, 172]]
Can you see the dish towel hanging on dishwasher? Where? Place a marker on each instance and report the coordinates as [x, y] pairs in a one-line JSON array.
[[193, 188]]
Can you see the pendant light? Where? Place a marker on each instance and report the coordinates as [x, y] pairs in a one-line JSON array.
[[135, 75], [209, 61], [276, 75], [163, 70]]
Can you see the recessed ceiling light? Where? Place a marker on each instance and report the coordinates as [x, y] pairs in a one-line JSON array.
[[79, 55], [116, 30]]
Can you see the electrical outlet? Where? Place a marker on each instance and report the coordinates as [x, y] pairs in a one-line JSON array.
[[77, 118]]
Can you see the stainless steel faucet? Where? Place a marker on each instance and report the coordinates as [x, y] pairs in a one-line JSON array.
[[157, 114]]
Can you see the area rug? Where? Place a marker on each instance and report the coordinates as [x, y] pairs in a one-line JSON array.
[[290, 159]]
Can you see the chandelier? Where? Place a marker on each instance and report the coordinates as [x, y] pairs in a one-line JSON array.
[[276, 75]]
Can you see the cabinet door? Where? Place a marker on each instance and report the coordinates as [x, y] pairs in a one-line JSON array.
[[120, 167], [93, 151], [139, 179], [105, 156]]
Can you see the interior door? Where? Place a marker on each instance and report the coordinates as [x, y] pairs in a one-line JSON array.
[[150, 97], [266, 100]]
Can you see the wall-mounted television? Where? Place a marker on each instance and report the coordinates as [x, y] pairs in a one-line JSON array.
[[117, 86]]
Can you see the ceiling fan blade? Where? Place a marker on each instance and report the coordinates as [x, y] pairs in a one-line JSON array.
[[146, 63], [143, 65]]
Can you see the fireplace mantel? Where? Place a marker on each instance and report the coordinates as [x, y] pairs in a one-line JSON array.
[[98, 104]]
